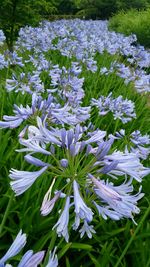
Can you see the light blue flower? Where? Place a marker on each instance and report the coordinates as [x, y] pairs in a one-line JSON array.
[[15, 248], [37, 162], [53, 260], [128, 163], [122, 109], [23, 179], [29, 259], [106, 212], [62, 224], [81, 209], [64, 163], [88, 229], [96, 137], [116, 198]]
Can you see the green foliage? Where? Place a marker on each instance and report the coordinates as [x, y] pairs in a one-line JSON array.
[[17, 13], [96, 8], [104, 9], [128, 4], [66, 7], [133, 21]]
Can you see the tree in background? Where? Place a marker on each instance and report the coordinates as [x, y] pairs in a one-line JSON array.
[[103, 9], [128, 4], [66, 7], [15, 14], [96, 8]]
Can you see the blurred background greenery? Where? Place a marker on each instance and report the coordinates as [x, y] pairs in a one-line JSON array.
[[18, 13]]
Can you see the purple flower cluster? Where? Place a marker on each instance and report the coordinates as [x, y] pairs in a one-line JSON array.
[[94, 148], [82, 39], [122, 109]]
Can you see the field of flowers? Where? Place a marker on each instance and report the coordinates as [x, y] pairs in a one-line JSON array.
[[75, 146]]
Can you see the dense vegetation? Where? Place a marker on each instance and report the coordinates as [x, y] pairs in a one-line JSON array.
[[104, 9], [74, 124], [15, 14], [74, 133], [133, 21]]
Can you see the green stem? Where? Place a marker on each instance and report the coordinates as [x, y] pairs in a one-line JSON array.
[[6, 213], [116, 126], [132, 237]]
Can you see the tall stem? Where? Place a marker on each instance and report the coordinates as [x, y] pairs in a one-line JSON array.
[[6, 213]]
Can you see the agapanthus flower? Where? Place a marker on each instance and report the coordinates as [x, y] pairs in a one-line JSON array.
[[121, 70], [23, 179], [127, 163], [69, 85], [14, 59], [62, 224], [88, 229], [81, 210], [140, 144], [48, 109], [125, 72], [116, 198], [26, 83], [15, 248], [106, 212], [75, 141], [37, 162], [122, 109], [40, 62], [28, 260], [79, 144], [53, 259], [14, 121], [48, 203], [40, 138], [138, 139], [142, 84], [91, 64]]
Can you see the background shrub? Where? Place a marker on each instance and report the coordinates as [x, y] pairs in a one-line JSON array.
[[133, 21]]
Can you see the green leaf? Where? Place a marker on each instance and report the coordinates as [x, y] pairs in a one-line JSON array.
[[81, 246], [64, 250]]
